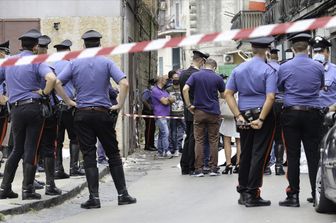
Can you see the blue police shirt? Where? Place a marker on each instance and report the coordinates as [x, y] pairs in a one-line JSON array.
[[91, 79], [301, 79], [253, 80], [205, 85], [23, 80], [279, 94], [68, 88], [328, 95]]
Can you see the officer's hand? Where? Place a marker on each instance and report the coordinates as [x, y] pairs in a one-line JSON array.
[[71, 103], [3, 99], [241, 122], [115, 108], [40, 92], [256, 124], [192, 109]]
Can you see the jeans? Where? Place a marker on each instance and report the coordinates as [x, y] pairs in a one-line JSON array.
[[163, 139], [177, 127]]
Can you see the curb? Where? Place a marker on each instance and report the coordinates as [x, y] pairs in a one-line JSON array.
[[52, 201]]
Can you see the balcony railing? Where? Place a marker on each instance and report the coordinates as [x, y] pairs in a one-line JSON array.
[[246, 19]]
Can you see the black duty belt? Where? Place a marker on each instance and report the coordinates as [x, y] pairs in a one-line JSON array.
[[93, 108], [251, 114], [25, 102], [302, 108]]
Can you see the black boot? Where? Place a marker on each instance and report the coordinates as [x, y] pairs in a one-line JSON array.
[[49, 166], [28, 190], [6, 185], [118, 177], [253, 199], [292, 200], [92, 178], [279, 160], [74, 157], [242, 198]]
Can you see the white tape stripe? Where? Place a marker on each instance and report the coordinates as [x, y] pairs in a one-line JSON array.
[[300, 26], [56, 56], [191, 40], [124, 48], [156, 44], [25, 60], [89, 52], [262, 31], [331, 23], [225, 36]]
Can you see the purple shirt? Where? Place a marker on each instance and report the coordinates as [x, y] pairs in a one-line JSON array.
[[159, 109], [23, 80], [253, 80], [91, 80], [301, 80], [328, 95], [68, 88], [206, 84]]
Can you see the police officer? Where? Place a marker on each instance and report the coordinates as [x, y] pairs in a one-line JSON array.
[[48, 139], [25, 98], [65, 121], [188, 152], [278, 147], [255, 81], [95, 116], [301, 80]]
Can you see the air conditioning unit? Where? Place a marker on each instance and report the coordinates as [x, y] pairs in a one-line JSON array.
[[163, 6], [228, 58]]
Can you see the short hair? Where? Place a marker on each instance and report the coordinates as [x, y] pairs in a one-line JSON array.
[[29, 43], [90, 43], [300, 46], [210, 62], [171, 73], [256, 51]]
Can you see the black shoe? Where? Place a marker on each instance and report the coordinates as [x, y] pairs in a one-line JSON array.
[[77, 172], [279, 170], [61, 175], [236, 169], [8, 194], [52, 190], [252, 201], [29, 193], [311, 200], [227, 170], [268, 171], [37, 185], [125, 198], [40, 169], [185, 172], [242, 198], [150, 149], [93, 202], [291, 201]]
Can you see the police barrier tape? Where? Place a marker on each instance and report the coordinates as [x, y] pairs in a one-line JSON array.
[[151, 45]]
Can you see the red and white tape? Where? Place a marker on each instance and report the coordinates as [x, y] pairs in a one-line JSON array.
[[235, 34], [152, 116]]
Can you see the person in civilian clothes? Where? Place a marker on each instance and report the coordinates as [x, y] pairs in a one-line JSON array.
[[95, 116], [66, 123], [47, 148], [188, 152], [148, 110], [161, 101], [27, 122], [206, 85], [301, 79], [255, 81]]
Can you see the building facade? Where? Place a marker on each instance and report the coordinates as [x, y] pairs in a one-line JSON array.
[[119, 21]]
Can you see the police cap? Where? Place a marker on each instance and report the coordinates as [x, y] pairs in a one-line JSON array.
[[91, 34], [5, 47], [31, 34], [44, 41], [199, 54], [262, 42], [319, 43], [301, 37], [64, 44]]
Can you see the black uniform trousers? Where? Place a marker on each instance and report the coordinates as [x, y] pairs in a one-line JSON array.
[[48, 140], [93, 124], [188, 153], [65, 122], [255, 149], [302, 126], [27, 125]]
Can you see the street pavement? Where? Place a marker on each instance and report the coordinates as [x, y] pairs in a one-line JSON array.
[[164, 195]]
